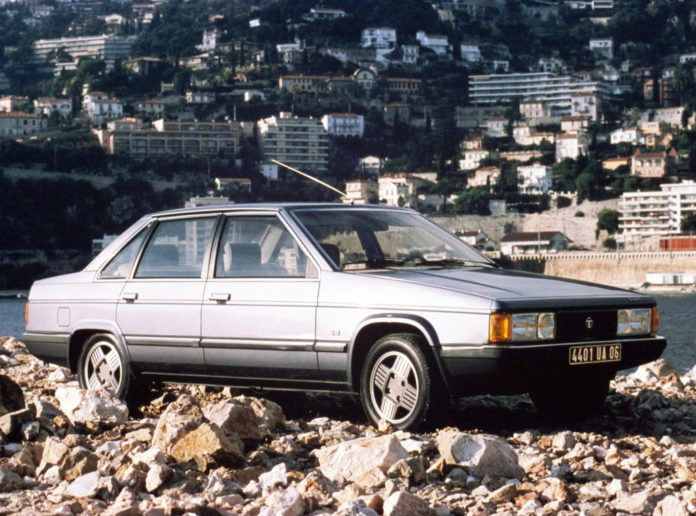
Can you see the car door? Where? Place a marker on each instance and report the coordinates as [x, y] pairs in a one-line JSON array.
[[159, 311], [260, 302]]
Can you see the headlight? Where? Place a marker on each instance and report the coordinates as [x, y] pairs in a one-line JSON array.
[[522, 327], [636, 321]]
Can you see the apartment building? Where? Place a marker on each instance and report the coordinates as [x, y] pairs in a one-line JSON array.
[[48, 105], [108, 47], [344, 124], [170, 138], [435, 42], [643, 214], [484, 176], [379, 37], [534, 179], [304, 83], [13, 103], [556, 91], [15, 123], [362, 191], [300, 142], [571, 146], [653, 165]]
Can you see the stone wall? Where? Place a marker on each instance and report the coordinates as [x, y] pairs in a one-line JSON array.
[[618, 269]]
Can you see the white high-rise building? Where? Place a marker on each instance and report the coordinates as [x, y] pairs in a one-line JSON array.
[[656, 213], [302, 143]]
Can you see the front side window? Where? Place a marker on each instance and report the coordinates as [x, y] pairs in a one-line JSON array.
[[177, 249], [120, 265], [260, 247]]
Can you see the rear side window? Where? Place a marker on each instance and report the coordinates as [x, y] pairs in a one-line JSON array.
[[121, 264], [177, 249]]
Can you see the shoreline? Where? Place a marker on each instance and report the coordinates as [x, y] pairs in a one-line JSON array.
[[10, 294]]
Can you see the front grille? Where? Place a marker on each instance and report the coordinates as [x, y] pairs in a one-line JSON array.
[[586, 325]]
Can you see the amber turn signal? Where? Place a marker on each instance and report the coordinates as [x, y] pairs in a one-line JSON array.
[[499, 328]]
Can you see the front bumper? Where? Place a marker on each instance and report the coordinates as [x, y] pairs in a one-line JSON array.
[[49, 347], [514, 369]]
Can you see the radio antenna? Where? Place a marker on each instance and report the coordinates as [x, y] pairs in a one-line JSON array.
[[311, 178]]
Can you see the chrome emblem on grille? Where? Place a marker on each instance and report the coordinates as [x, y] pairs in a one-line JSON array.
[[589, 323]]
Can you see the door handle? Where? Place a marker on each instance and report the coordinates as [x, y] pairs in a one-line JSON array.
[[220, 297], [130, 296]]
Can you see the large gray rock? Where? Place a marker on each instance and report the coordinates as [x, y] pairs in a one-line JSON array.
[[85, 486], [349, 460], [234, 418], [9, 480], [268, 414], [94, 407], [481, 455]]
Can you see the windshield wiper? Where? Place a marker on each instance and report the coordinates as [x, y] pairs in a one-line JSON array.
[[453, 262], [371, 264]]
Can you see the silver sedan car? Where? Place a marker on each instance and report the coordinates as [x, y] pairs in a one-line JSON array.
[[328, 297]]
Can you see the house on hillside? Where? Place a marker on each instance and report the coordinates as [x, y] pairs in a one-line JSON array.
[[530, 242], [652, 165]]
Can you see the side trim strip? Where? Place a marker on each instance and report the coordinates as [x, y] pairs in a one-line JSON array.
[[331, 347], [184, 342], [280, 345]]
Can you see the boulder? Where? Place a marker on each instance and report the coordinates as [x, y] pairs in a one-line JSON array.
[[11, 395], [11, 422], [53, 454], [177, 420], [671, 506], [268, 414], [157, 475], [234, 418], [481, 454], [9, 480], [208, 441], [79, 462], [350, 459], [93, 407]]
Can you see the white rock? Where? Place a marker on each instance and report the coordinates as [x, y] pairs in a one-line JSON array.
[[149, 457], [403, 503], [91, 406], [671, 506], [563, 441], [481, 454], [157, 475], [85, 486], [350, 459], [285, 503], [278, 476], [636, 503]]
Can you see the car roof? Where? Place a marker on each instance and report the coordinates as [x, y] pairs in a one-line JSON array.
[[218, 208]]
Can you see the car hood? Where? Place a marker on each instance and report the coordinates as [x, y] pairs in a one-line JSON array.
[[515, 289]]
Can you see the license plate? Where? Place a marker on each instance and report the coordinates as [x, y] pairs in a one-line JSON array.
[[594, 354]]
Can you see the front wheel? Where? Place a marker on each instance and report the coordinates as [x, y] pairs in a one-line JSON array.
[[396, 382], [102, 366]]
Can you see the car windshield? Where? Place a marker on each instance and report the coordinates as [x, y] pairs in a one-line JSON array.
[[357, 239]]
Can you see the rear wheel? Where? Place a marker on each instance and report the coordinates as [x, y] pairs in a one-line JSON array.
[[101, 365], [397, 382]]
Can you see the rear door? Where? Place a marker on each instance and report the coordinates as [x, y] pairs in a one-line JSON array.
[[159, 311], [259, 305]]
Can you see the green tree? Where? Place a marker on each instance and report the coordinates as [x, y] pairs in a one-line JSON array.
[[688, 222], [608, 219]]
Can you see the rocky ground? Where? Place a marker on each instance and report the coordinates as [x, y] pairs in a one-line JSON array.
[[203, 451]]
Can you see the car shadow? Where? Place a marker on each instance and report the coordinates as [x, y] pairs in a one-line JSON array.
[[646, 412]]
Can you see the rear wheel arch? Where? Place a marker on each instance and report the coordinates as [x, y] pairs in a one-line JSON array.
[[81, 336]]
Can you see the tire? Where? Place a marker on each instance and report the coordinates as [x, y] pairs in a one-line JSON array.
[[571, 400], [396, 382], [101, 365]]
